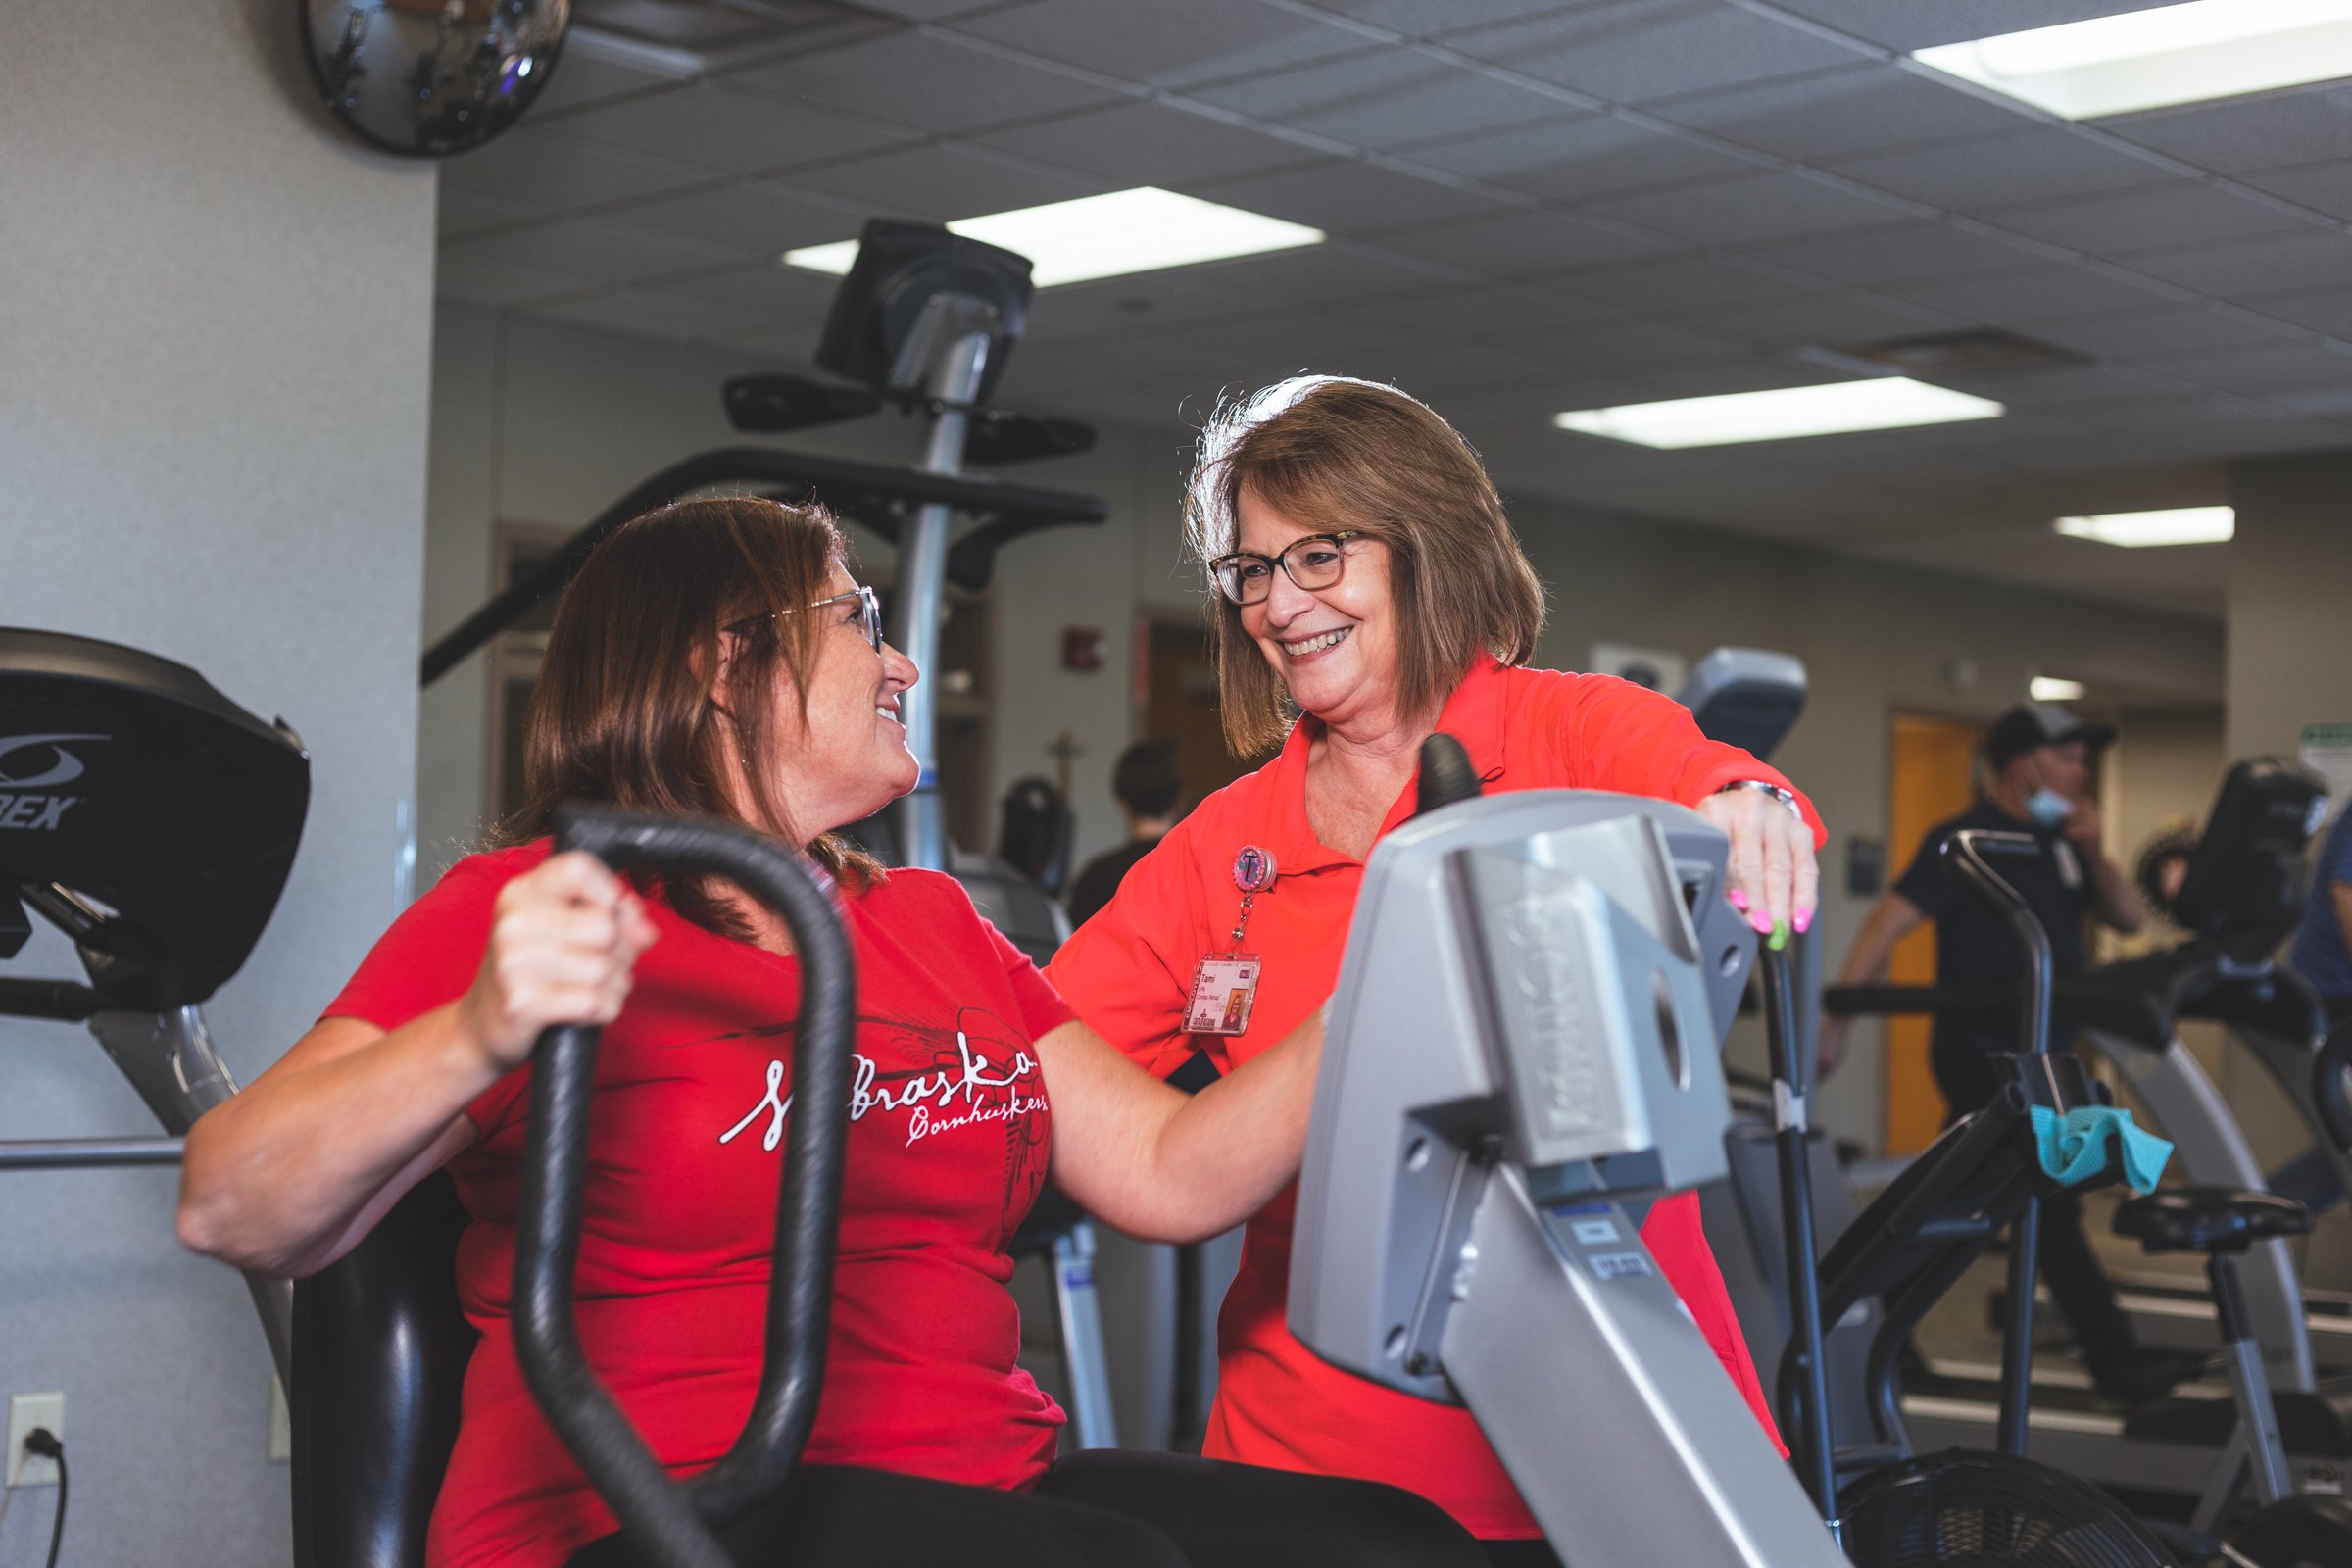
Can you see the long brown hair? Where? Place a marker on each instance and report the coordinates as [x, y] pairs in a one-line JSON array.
[[623, 713], [1341, 455]]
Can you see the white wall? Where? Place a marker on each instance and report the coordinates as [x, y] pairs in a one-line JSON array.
[[216, 315]]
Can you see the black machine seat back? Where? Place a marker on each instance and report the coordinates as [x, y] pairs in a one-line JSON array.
[[127, 779], [380, 1350], [2243, 890], [2209, 1219]]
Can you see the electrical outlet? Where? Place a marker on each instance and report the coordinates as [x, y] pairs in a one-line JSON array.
[[24, 1412], [281, 1422]]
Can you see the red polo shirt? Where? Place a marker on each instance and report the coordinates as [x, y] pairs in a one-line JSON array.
[[1129, 972]]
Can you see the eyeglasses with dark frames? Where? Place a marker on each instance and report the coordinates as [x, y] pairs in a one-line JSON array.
[[1315, 561], [869, 613]]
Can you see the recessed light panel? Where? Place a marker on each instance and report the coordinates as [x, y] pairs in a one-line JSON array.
[[1140, 230], [2050, 689], [1886, 403], [2136, 530], [2170, 55]]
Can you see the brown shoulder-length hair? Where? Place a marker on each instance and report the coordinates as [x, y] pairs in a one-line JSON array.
[[623, 712], [1333, 453]]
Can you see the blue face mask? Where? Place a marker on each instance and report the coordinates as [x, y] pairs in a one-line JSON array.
[[2048, 808]]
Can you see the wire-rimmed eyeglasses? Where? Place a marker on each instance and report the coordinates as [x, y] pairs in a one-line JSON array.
[[1315, 561], [869, 613]]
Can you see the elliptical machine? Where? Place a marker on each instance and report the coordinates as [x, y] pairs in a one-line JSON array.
[[153, 821]]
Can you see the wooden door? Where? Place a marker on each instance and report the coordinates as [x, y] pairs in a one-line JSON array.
[[1932, 780], [1181, 704]]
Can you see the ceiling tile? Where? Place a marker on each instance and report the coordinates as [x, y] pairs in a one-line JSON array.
[[1165, 45], [1637, 345], [2325, 310], [1577, 156], [761, 291], [2186, 214], [1820, 320], [2301, 126], [1918, 26], [927, 79], [461, 212], [1899, 254], [943, 183], [1675, 286], [2256, 369], [1147, 144], [1384, 98], [755, 216], [1131, 307], [1746, 209], [1347, 196], [2324, 187], [2035, 294], [1861, 110], [469, 282], [1336, 273], [743, 132], [582, 78], [1521, 244], [2063, 387], [2034, 164], [2141, 335], [1489, 309], [2242, 268], [548, 169], [594, 252], [1640, 51], [1423, 18]]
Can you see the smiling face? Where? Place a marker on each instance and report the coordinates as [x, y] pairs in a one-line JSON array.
[[852, 759], [1335, 648]]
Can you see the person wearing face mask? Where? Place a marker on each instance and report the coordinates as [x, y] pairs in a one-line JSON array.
[[2038, 757]]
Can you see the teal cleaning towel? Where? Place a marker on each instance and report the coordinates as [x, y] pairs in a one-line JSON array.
[[2075, 1148]]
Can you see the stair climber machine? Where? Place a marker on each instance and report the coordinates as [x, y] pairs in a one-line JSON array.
[[153, 821], [2243, 897], [925, 323], [1522, 1053]]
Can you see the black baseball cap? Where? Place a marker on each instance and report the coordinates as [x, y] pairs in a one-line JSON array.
[[2029, 726]]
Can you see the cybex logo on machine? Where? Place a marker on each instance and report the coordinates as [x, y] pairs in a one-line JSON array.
[[32, 767]]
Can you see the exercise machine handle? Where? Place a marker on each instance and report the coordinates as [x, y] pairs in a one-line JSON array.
[[1447, 775], [2327, 1090], [1805, 1407], [673, 1523], [1969, 854]]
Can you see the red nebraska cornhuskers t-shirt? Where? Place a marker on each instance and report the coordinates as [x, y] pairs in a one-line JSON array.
[[948, 1145]]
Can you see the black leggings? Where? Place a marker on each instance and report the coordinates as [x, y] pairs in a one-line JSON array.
[[1105, 1508]]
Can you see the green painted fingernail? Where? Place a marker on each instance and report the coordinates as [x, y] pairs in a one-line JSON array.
[[1779, 936]]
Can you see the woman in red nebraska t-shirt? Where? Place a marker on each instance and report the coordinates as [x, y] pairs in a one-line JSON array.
[[1366, 577], [716, 658]]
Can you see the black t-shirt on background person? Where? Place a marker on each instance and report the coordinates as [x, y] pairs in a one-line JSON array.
[[1974, 949], [1101, 877]]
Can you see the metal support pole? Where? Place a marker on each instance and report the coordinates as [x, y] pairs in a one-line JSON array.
[[917, 601], [86, 1153], [1792, 1074]]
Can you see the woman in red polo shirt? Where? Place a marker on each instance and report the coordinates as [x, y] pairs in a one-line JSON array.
[[716, 658], [1365, 576]]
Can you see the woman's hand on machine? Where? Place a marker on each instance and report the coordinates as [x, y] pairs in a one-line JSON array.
[[563, 941], [1774, 879]]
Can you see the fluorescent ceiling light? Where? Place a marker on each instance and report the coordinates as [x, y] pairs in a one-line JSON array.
[[1885, 402], [2171, 55], [2136, 530], [1138, 230], [2050, 689]]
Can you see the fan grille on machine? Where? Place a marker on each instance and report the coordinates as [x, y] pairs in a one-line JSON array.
[[1989, 1510]]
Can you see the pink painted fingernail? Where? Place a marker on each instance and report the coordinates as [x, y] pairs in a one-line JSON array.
[[1762, 922], [1738, 899], [1804, 921]]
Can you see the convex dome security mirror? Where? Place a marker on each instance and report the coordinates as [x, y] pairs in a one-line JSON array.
[[430, 77]]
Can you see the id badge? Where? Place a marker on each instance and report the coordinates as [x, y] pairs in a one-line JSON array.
[[1224, 988]]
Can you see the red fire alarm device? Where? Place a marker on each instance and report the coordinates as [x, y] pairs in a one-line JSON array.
[[1084, 646]]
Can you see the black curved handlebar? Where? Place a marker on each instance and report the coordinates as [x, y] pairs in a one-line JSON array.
[[672, 1523], [1970, 853], [2328, 1090], [1447, 774]]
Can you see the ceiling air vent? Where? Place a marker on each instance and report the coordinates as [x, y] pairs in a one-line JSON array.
[[694, 37], [1979, 351]]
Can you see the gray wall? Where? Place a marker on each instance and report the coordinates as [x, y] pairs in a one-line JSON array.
[[216, 315], [2291, 600]]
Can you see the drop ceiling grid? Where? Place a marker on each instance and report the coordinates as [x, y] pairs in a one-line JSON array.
[[1378, 116]]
